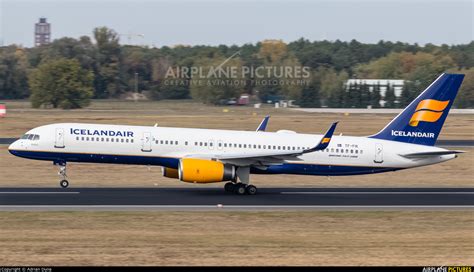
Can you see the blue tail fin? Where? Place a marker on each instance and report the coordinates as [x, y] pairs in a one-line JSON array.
[[422, 120]]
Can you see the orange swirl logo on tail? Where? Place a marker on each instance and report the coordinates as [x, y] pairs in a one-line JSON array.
[[428, 110]]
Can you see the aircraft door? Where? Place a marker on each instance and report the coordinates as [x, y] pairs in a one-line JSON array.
[[59, 139], [146, 142], [378, 153]]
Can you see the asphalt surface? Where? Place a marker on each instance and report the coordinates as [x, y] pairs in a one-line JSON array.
[[208, 198], [453, 143]]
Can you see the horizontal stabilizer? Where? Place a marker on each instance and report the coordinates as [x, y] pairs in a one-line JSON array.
[[430, 154]]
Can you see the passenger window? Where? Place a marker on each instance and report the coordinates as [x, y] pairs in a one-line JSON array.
[[361, 152], [77, 138], [176, 142], [112, 140], [92, 139], [126, 140], [186, 143], [106, 139], [357, 151], [87, 138], [122, 140], [131, 140], [166, 142]]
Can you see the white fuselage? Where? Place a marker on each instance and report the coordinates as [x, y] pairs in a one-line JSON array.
[[164, 146]]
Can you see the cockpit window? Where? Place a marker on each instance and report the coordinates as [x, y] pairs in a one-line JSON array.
[[32, 137]]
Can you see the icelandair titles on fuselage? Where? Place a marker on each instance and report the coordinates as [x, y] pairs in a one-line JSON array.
[[96, 132], [412, 134]]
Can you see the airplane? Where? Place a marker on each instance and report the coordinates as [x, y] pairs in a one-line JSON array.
[[211, 155]]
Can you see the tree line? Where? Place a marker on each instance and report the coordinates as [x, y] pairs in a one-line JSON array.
[[69, 72]]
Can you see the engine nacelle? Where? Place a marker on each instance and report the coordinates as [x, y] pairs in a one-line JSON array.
[[204, 171], [170, 172]]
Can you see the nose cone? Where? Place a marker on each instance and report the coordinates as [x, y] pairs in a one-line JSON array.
[[12, 148]]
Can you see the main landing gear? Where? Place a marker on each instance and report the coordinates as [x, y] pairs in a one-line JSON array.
[[62, 173], [243, 187], [240, 188]]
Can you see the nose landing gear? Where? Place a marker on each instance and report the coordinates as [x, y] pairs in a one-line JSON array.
[[62, 173]]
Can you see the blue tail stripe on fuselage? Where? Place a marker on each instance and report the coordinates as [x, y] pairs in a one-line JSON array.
[[287, 168], [444, 88]]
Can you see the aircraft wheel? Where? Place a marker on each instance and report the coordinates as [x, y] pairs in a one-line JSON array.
[[229, 187], [64, 183], [240, 189], [251, 190]]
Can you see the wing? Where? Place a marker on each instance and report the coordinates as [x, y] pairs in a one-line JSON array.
[[269, 157]]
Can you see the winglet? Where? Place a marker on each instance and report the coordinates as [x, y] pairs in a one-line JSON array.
[[325, 140], [263, 124]]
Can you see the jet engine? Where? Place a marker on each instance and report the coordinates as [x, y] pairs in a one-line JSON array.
[[204, 171], [170, 172]]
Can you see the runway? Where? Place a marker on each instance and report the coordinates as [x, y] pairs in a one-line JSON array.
[[217, 199]]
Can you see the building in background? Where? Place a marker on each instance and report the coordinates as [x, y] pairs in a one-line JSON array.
[[380, 85], [42, 32]]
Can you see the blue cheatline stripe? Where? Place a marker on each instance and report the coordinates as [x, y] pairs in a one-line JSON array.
[[287, 168], [321, 170], [97, 158]]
